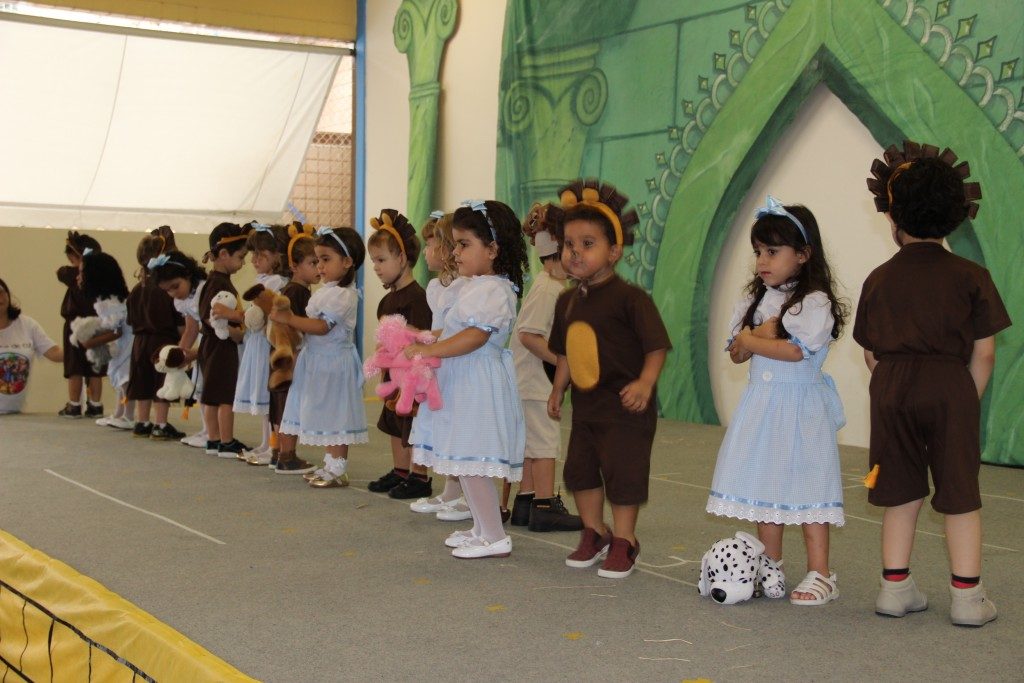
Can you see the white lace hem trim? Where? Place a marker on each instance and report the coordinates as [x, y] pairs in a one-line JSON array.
[[468, 469], [326, 439], [753, 513]]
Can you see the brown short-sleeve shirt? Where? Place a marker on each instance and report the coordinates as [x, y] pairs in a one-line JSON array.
[[605, 336], [928, 301], [409, 301], [298, 294]]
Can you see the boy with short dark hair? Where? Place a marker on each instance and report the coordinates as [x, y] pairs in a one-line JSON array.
[[927, 320]]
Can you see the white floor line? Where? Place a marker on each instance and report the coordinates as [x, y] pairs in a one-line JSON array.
[[136, 508], [848, 516]]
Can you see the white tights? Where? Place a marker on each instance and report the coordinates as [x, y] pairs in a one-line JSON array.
[[483, 503], [452, 489]]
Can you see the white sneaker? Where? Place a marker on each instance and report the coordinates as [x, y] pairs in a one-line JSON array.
[[478, 548], [104, 421], [196, 440], [427, 505], [458, 539], [121, 423], [454, 511]]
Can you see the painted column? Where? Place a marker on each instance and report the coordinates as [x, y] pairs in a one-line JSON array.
[[547, 112], [422, 29]]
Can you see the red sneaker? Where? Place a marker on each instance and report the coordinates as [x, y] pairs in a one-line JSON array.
[[621, 559], [592, 549]]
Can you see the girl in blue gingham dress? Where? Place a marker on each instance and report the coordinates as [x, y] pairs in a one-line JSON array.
[[779, 461], [266, 244], [325, 401], [479, 433]]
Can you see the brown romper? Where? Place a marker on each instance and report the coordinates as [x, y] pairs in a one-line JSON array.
[[919, 314], [218, 358], [411, 302], [75, 305], [298, 294], [155, 323], [605, 336]]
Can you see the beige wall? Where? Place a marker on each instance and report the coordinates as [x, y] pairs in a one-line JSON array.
[[467, 137], [29, 259]]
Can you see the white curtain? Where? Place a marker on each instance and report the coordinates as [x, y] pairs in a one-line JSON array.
[[111, 129]]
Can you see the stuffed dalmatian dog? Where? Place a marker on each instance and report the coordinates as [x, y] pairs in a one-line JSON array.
[[736, 569]]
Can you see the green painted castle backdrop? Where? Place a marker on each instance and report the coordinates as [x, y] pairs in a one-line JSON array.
[[679, 103]]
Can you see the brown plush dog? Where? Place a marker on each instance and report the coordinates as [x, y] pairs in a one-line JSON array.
[[283, 338]]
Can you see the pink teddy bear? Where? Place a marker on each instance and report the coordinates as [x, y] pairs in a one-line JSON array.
[[413, 378]]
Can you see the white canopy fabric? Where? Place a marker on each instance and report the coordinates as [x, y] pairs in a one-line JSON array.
[[116, 129]]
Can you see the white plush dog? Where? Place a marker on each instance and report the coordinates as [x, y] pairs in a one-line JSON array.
[[170, 360], [734, 568], [85, 328], [220, 325]]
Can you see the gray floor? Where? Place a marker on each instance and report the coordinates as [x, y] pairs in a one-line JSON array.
[[291, 584]]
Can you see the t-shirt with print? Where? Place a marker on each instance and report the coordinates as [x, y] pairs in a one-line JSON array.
[[606, 335], [20, 342], [536, 316]]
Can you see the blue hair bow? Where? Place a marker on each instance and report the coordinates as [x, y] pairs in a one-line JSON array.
[[162, 260], [325, 230], [479, 205], [261, 227], [436, 215], [773, 207], [86, 251]]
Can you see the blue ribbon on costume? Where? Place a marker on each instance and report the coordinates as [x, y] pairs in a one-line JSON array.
[[162, 260], [325, 230], [478, 205], [773, 207], [436, 215]]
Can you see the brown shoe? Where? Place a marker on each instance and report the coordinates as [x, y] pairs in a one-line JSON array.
[[592, 549], [289, 463], [621, 559]]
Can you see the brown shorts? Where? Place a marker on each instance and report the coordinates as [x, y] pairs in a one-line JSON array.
[[143, 379], [393, 424], [218, 361], [278, 397], [615, 455], [75, 362], [925, 414]]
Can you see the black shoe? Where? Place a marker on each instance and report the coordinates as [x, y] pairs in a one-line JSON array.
[[412, 487], [386, 483], [521, 509], [93, 409], [70, 411], [166, 433], [231, 449], [549, 514], [142, 430]]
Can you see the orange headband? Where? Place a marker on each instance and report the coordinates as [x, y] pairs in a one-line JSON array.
[[388, 226], [224, 241], [291, 243], [895, 174], [592, 199]]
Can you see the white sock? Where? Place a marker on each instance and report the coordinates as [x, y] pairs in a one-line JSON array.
[[335, 466]]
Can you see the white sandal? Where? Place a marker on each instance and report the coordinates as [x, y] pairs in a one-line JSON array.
[[821, 587]]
